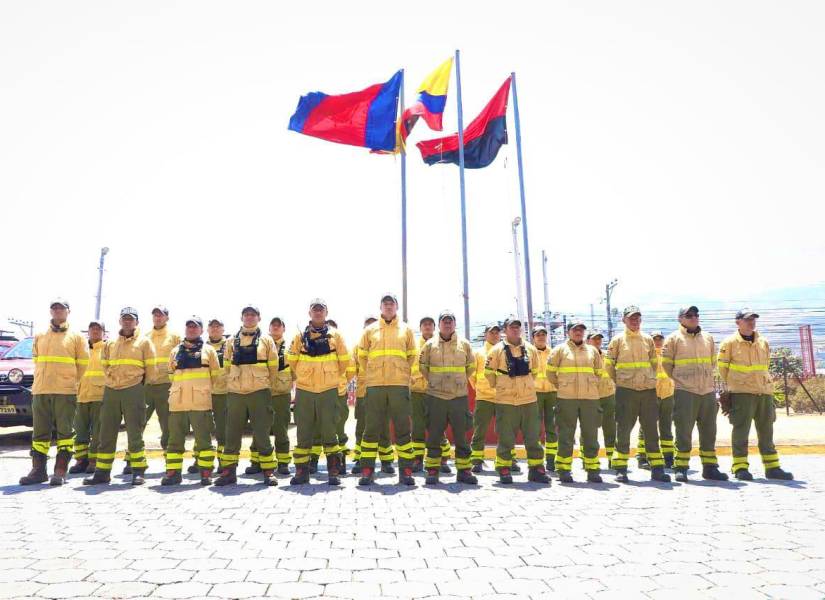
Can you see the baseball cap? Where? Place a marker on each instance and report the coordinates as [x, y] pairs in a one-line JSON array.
[[512, 321], [686, 309], [276, 321], [539, 329], [61, 302], [369, 319], [425, 319], [161, 308], [574, 324], [129, 312], [390, 296], [491, 326], [99, 323], [214, 320], [631, 310], [446, 314], [594, 334], [655, 334], [196, 320], [317, 302], [251, 307], [746, 313]]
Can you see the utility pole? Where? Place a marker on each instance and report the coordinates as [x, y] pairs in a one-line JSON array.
[[592, 318], [519, 303], [23, 325], [785, 377], [103, 252], [546, 294], [608, 292]]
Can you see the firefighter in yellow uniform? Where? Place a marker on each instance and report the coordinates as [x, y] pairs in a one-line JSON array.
[[386, 354], [607, 401], [194, 367], [511, 368], [60, 359], [546, 394], [217, 340], [689, 358], [418, 389], [743, 362], [343, 412], [127, 362], [253, 359], [318, 357], [664, 395], [575, 368], [485, 396], [158, 384], [89, 398]]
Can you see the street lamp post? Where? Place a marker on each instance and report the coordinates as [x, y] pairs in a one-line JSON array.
[[103, 252]]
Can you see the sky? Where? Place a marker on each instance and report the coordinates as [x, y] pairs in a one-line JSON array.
[[674, 146]]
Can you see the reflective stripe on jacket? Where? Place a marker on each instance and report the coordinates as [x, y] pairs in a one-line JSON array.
[[664, 384], [127, 361], [192, 388], [318, 373], [690, 359], [219, 383], [606, 386], [245, 379], [417, 381], [512, 390], [543, 383], [631, 361], [484, 391], [60, 359], [744, 366], [163, 342], [283, 378], [91, 384], [575, 370], [386, 353], [447, 366]]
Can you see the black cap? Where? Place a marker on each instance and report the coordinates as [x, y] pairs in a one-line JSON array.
[[317, 302], [369, 319], [214, 320], [686, 309], [594, 334], [161, 308], [446, 314], [251, 307], [491, 326], [60, 302], [99, 323], [425, 319], [512, 321], [655, 334], [276, 321], [389, 296], [129, 312], [574, 324], [539, 329], [631, 310], [746, 313], [196, 320]]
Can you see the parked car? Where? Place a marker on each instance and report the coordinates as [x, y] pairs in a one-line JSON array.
[[16, 380], [6, 342]]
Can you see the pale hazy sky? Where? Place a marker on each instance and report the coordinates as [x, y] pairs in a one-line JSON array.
[[676, 146]]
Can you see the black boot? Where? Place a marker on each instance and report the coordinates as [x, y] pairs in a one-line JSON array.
[[333, 469], [80, 465], [367, 476], [405, 476], [537, 475], [92, 466], [778, 473], [313, 464], [100, 476], [642, 461], [712, 472], [478, 467], [253, 469], [594, 477], [228, 476], [283, 468], [301, 475], [38, 471], [668, 461], [565, 477], [551, 464], [193, 468], [269, 477], [418, 464], [743, 475], [127, 469], [445, 468], [172, 477], [356, 468], [658, 474], [621, 475], [504, 475], [137, 476], [61, 467], [515, 468], [432, 477], [206, 477], [386, 467], [465, 476], [681, 474]]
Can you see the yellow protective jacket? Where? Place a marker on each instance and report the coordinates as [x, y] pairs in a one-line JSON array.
[[447, 366], [219, 383], [575, 370], [743, 365], [606, 386], [192, 387], [386, 353], [318, 373], [163, 342], [92, 382], [484, 391], [631, 361], [515, 390], [690, 359], [60, 359], [127, 361], [249, 378], [543, 383], [353, 371], [282, 381], [664, 384], [417, 381]]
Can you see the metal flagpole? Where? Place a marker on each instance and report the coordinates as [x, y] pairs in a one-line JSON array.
[[527, 278], [463, 202], [403, 208]]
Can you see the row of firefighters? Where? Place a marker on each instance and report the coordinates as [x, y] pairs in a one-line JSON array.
[[217, 386]]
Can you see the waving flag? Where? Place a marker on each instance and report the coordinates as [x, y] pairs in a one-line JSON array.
[[482, 138], [366, 118], [432, 97]]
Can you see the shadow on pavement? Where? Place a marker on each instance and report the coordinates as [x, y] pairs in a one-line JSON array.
[[795, 483]]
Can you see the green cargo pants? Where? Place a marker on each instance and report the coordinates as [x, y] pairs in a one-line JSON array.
[[87, 429], [202, 423], [419, 427], [608, 409], [256, 408], [509, 421], [282, 414], [587, 413], [157, 401], [128, 404], [341, 415], [759, 409], [53, 412], [440, 413], [316, 414], [700, 410], [219, 419], [385, 454], [665, 429], [633, 405], [547, 415], [387, 402], [484, 412]]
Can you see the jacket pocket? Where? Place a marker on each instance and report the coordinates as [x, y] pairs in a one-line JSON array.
[[175, 400]]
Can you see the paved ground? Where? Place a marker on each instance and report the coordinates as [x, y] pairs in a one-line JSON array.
[[732, 541]]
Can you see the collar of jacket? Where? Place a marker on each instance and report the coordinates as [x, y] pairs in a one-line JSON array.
[[62, 328], [741, 339], [279, 341], [122, 337], [452, 341], [191, 343], [506, 343], [488, 346], [159, 331], [97, 345], [575, 346], [383, 323], [684, 330], [629, 333], [248, 330]]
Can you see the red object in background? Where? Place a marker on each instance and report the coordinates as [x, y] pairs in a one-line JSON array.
[[807, 347]]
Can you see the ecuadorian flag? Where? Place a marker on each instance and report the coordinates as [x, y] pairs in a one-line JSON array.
[[432, 98]]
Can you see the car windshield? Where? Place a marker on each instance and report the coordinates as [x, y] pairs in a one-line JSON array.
[[22, 349]]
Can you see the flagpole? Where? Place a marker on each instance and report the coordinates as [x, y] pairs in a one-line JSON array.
[[463, 202], [403, 209], [527, 278]]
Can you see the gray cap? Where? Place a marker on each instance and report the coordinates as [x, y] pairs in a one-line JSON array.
[[574, 324], [196, 320], [99, 323], [251, 307], [631, 310], [539, 329], [657, 333], [686, 309], [317, 302], [214, 320], [276, 320], [129, 312], [491, 326], [512, 321], [746, 313], [389, 296], [446, 314], [161, 308], [594, 334], [61, 302], [424, 319]]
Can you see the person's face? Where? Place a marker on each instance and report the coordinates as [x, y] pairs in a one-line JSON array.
[[576, 334], [159, 319], [427, 329], [746, 326], [59, 313], [276, 330], [250, 319], [540, 339], [128, 324], [595, 341], [215, 331], [493, 336], [446, 327], [513, 332], [633, 322], [658, 341], [318, 315], [193, 331], [95, 333], [389, 309], [690, 320]]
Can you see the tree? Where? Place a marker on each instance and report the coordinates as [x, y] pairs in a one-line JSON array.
[[794, 362]]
